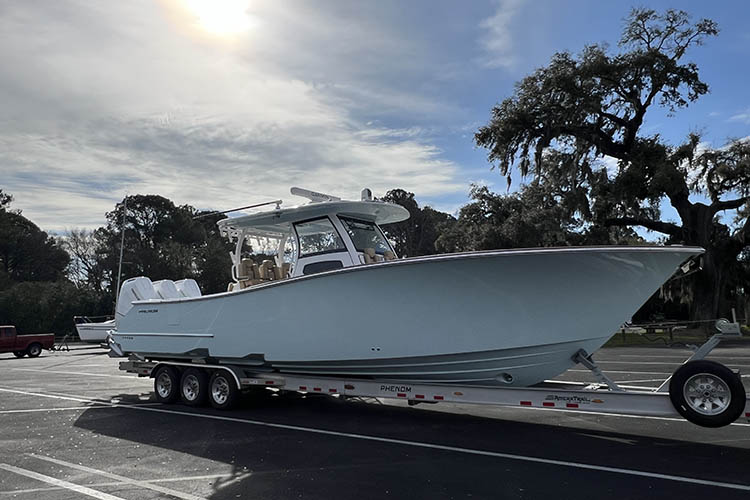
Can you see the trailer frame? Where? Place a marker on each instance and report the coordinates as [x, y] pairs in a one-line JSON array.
[[603, 397]]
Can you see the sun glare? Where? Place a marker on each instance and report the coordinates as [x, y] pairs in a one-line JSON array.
[[221, 17]]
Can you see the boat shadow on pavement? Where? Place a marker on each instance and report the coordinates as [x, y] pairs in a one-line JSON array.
[[293, 458]]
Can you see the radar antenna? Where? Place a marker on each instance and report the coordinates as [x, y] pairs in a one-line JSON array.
[[313, 196]]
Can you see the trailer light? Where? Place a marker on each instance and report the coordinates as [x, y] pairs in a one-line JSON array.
[[303, 388], [269, 382], [419, 396], [439, 398], [349, 387], [548, 403], [401, 394], [525, 403], [332, 389]]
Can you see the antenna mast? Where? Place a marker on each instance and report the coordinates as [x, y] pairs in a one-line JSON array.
[[122, 247]]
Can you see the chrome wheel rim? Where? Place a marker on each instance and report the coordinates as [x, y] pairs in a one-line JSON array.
[[164, 385], [707, 394], [220, 390], [190, 387]]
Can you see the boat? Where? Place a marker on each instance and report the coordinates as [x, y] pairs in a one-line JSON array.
[[318, 289], [92, 330]]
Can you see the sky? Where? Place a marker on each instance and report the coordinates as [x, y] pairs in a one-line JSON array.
[[220, 104]]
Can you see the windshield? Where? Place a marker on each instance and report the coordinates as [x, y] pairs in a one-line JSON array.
[[366, 235], [318, 236]]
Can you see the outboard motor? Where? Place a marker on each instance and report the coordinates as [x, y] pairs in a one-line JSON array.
[[188, 288], [133, 289]]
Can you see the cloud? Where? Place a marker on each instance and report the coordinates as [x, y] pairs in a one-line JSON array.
[[743, 117], [611, 165], [497, 41], [133, 97]]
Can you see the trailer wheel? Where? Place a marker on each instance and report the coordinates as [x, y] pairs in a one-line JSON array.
[[166, 384], [194, 387], [223, 392], [19, 354], [34, 350], [707, 393]]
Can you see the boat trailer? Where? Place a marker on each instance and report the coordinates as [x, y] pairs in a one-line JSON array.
[[704, 392]]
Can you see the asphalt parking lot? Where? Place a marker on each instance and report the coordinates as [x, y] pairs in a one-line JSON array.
[[76, 427]]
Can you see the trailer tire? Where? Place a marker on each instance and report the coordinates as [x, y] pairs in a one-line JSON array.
[[223, 392], [194, 387], [19, 354], [707, 393], [167, 384], [34, 350]]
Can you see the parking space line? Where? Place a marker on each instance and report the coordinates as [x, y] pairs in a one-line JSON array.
[[122, 479], [93, 406], [59, 482], [117, 483], [455, 449], [662, 363], [33, 410], [639, 381], [624, 371], [687, 355], [71, 373]]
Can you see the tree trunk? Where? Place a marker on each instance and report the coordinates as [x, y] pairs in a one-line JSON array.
[[707, 288], [721, 253]]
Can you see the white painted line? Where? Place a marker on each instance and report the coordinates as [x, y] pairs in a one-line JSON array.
[[122, 479], [59, 482], [95, 405], [639, 381], [662, 363], [72, 373], [455, 449], [80, 399], [622, 371], [687, 355], [117, 483], [32, 410], [655, 380]]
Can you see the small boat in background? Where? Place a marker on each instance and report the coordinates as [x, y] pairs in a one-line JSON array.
[[92, 329]]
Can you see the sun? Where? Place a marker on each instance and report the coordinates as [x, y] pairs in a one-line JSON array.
[[221, 17]]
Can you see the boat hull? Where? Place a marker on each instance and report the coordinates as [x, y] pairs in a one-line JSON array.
[[512, 317], [94, 333]]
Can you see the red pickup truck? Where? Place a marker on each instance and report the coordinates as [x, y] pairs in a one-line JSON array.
[[22, 345]]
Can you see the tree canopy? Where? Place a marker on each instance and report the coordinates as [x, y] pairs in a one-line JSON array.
[[419, 233], [26, 252], [567, 116]]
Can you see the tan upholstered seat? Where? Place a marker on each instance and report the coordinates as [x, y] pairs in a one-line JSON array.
[[370, 255], [282, 272], [245, 270], [388, 255], [266, 270]]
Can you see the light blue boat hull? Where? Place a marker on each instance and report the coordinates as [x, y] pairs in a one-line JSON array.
[[512, 317]]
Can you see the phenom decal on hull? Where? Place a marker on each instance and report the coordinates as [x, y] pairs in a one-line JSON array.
[[395, 388]]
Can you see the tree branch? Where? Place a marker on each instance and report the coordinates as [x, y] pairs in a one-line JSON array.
[[654, 225], [717, 206]]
